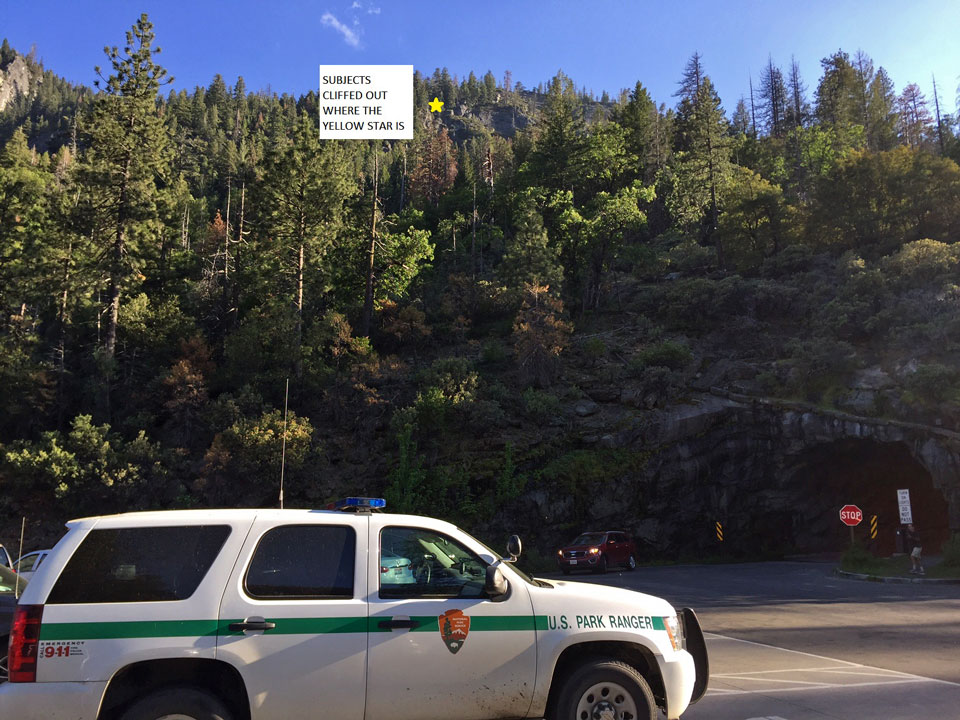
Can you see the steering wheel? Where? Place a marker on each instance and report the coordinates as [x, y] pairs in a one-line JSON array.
[[424, 572]]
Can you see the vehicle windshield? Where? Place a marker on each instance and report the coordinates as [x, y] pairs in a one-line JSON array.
[[589, 539], [9, 582]]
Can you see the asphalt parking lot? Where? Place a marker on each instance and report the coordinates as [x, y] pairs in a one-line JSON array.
[[755, 681], [791, 641]]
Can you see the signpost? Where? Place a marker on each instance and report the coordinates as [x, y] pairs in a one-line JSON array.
[[906, 512], [851, 515]]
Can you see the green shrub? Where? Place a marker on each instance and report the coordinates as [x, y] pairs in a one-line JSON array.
[[454, 377], [669, 354], [493, 352], [594, 349], [856, 558], [689, 256], [540, 406]]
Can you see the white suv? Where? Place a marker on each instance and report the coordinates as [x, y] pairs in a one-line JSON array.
[[288, 614]]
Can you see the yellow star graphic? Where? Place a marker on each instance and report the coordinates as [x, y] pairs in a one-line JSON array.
[[436, 105]]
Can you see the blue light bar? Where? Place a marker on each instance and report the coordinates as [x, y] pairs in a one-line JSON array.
[[360, 502]]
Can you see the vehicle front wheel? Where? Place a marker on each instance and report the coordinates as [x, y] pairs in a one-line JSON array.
[[605, 689], [631, 563], [601, 565], [178, 704]]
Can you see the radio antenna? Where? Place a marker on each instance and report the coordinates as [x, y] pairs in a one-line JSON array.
[[16, 583], [283, 447]]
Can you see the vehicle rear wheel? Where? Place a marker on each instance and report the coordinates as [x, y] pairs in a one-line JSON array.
[[605, 689], [178, 704], [601, 565], [631, 562]]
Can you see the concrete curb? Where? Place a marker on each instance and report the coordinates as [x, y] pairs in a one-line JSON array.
[[896, 579]]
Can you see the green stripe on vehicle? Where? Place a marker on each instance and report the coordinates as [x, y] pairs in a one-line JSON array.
[[305, 626], [487, 623], [658, 623], [284, 626], [131, 629]]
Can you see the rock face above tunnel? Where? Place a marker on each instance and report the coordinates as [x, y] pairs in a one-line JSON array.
[[771, 473]]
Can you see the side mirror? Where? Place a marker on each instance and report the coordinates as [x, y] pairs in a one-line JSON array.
[[495, 585], [514, 547]]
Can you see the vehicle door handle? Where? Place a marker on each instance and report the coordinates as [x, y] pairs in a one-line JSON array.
[[252, 623], [391, 624]]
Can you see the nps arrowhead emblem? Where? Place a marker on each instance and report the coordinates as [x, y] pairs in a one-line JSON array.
[[454, 628]]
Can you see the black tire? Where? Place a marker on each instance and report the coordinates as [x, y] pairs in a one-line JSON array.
[[189, 702], [601, 565], [3, 659], [631, 563], [605, 681]]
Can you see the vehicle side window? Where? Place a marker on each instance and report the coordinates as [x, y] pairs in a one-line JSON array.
[[143, 564], [4, 557], [303, 562], [415, 562], [26, 563]]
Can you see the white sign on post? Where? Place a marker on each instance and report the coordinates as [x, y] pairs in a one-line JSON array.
[[906, 514], [366, 102]]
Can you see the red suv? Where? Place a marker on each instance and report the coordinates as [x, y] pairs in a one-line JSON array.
[[597, 551]]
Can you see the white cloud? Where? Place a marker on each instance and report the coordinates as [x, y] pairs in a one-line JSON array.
[[356, 6], [349, 36], [373, 11]]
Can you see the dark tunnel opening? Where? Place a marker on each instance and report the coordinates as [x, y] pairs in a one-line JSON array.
[[868, 474]]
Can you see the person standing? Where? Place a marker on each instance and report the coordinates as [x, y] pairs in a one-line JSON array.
[[916, 550]]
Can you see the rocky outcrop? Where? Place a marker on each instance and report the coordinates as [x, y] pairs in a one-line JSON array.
[[773, 473], [15, 80]]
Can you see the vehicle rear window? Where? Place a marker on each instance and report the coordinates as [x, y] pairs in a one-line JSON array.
[[303, 561], [143, 564]]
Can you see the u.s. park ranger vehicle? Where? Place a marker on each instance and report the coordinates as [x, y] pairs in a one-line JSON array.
[[306, 615]]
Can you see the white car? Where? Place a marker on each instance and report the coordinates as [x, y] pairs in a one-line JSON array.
[[395, 570], [267, 614], [27, 565]]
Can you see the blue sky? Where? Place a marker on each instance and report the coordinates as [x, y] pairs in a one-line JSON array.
[[601, 44]]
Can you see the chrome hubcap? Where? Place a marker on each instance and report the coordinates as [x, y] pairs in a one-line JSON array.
[[606, 701]]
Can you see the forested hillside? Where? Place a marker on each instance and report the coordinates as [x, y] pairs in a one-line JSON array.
[[442, 308]]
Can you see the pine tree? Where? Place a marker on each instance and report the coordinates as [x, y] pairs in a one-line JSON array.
[[773, 92], [639, 118], [703, 140], [839, 98], [435, 167], [741, 118], [127, 161], [556, 159], [305, 187], [881, 113], [798, 110], [915, 120]]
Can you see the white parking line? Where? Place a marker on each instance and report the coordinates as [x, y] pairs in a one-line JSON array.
[[840, 667], [785, 670], [825, 686]]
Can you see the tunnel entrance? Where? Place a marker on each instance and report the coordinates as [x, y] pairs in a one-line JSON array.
[[867, 474]]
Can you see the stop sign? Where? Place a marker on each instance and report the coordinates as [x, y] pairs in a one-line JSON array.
[[851, 515]]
